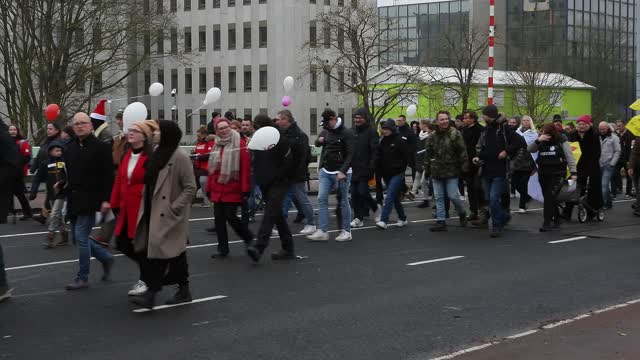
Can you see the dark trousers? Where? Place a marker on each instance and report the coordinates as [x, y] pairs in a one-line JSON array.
[[273, 197], [590, 184], [225, 213], [361, 199], [167, 272], [19, 191], [3, 274], [616, 181], [125, 246], [6, 193], [520, 181], [551, 185], [474, 190]]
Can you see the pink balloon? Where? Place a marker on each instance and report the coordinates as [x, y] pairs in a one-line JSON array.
[[286, 100]]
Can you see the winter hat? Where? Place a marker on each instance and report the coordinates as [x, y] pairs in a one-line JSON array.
[[585, 119], [147, 127], [389, 124], [55, 144], [362, 112], [230, 115], [491, 111], [215, 124], [99, 112]]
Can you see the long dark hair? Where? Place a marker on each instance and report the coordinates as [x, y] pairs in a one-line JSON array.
[[170, 136], [18, 132], [550, 129]]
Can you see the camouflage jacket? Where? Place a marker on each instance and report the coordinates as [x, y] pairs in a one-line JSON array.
[[446, 154]]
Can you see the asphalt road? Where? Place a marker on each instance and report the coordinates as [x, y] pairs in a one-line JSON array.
[[356, 300]]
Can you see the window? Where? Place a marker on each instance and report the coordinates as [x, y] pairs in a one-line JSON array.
[[147, 43], [231, 35], [451, 97], [202, 80], [160, 76], [187, 5], [327, 81], [188, 126], [188, 81], [174, 79], [263, 111], [246, 2], [247, 114], [263, 78], [521, 98], [231, 3], [326, 34], [161, 114], [313, 36], [232, 79], [217, 77], [216, 4], [146, 6], [313, 122], [340, 39], [160, 41], [203, 116], [187, 39], [159, 7], [262, 1], [97, 82], [340, 2], [327, 2], [246, 35], [97, 37], [312, 1], [262, 34], [216, 37], [202, 4], [313, 83], [80, 85], [173, 5], [341, 116], [79, 38], [174, 40], [354, 3], [247, 78], [555, 98], [147, 79], [202, 38], [498, 97], [340, 80]]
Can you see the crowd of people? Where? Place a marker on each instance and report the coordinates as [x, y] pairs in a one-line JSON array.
[[143, 185]]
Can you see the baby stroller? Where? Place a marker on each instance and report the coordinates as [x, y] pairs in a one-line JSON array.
[[570, 195]]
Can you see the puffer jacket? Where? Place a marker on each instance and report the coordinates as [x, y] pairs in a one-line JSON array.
[[365, 149], [337, 149], [392, 155], [446, 155], [610, 150]]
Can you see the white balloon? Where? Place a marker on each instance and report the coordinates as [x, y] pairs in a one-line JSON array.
[[156, 89], [133, 113], [214, 94], [264, 138], [412, 110], [288, 83]]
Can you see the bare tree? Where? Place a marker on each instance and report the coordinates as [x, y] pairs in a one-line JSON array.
[[69, 51], [356, 42]]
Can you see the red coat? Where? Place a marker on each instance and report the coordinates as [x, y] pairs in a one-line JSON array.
[[25, 151], [232, 191], [202, 149], [127, 194]]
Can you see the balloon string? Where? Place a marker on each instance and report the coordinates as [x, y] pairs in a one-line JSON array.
[[130, 97], [194, 111]]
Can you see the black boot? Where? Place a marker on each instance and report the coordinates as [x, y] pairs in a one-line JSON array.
[[254, 253], [546, 227], [283, 255], [183, 295], [299, 218], [424, 204], [440, 226], [146, 300]]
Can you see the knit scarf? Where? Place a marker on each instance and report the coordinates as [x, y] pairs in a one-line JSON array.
[[229, 161], [423, 135]]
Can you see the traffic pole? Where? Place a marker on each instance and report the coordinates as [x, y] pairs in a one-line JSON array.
[[491, 53]]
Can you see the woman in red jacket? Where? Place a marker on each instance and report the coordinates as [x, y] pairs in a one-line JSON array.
[[201, 154], [19, 189], [229, 183], [126, 195]]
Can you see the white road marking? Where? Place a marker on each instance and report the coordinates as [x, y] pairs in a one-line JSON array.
[[196, 301], [435, 260], [523, 334], [568, 240], [465, 351]]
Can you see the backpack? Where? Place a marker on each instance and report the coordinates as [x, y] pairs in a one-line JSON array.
[[551, 157]]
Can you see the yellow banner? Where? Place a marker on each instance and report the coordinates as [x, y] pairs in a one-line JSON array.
[[576, 151], [635, 106], [634, 125]]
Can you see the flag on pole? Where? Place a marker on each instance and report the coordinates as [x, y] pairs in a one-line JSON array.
[[635, 106], [634, 125]]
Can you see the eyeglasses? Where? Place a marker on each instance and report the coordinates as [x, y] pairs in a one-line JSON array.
[[82, 123]]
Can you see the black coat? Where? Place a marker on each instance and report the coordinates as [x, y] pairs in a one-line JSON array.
[[50, 172], [10, 169], [364, 155], [492, 143], [90, 175], [337, 149], [412, 142], [301, 154], [392, 156], [274, 166], [589, 161], [626, 140]]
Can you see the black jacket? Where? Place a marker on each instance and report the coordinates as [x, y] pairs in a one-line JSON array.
[[274, 166], [412, 142], [626, 140], [337, 149], [491, 143], [300, 152], [10, 161], [392, 156], [52, 171], [589, 162], [90, 175], [42, 154], [364, 155]]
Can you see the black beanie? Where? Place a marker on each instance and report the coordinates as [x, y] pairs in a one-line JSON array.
[[491, 111]]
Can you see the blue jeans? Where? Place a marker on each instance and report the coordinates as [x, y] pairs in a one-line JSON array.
[[394, 185], [607, 174], [326, 183], [81, 229], [3, 274], [494, 189], [299, 192], [443, 188]]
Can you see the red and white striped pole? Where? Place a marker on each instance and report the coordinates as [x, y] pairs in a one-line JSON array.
[[492, 33]]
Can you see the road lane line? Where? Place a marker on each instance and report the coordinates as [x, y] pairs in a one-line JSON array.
[[435, 260], [523, 334], [568, 240], [465, 351], [195, 301]]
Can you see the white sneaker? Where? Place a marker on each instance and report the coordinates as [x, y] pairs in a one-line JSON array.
[[357, 223], [308, 230], [381, 225], [138, 288], [344, 236], [402, 223], [319, 235], [463, 198], [522, 211], [274, 232]]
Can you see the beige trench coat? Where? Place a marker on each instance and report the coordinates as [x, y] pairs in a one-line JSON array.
[[167, 233]]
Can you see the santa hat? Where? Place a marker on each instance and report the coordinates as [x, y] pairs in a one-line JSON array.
[[99, 113]]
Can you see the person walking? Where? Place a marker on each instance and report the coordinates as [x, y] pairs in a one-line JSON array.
[[90, 179], [273, 169], [163, 228], [126, 196], [334, 171], [19, 189], [229, 184], [364, 165], [445, 160], [422, 180], [521, 163], [471, 133], [392, 159], [554, 156], [101, 128], [626, 141], [10, 164], [610, 152], [201, 153], [409, 135], [633, 172], [54, 133]]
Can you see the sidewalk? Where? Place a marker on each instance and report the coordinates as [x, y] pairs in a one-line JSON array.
[[611, 335]]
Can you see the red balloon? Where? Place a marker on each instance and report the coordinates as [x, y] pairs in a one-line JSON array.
[[52, 112]]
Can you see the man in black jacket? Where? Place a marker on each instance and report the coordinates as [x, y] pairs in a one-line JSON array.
[[334, 171], [411, 138], [391, 163], [273, 170], [301, 156], [626, 140], [10, 161], [90, 179], [471, 133], [363, 164]]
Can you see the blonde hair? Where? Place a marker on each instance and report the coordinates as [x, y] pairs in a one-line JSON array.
[[533, 125]]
